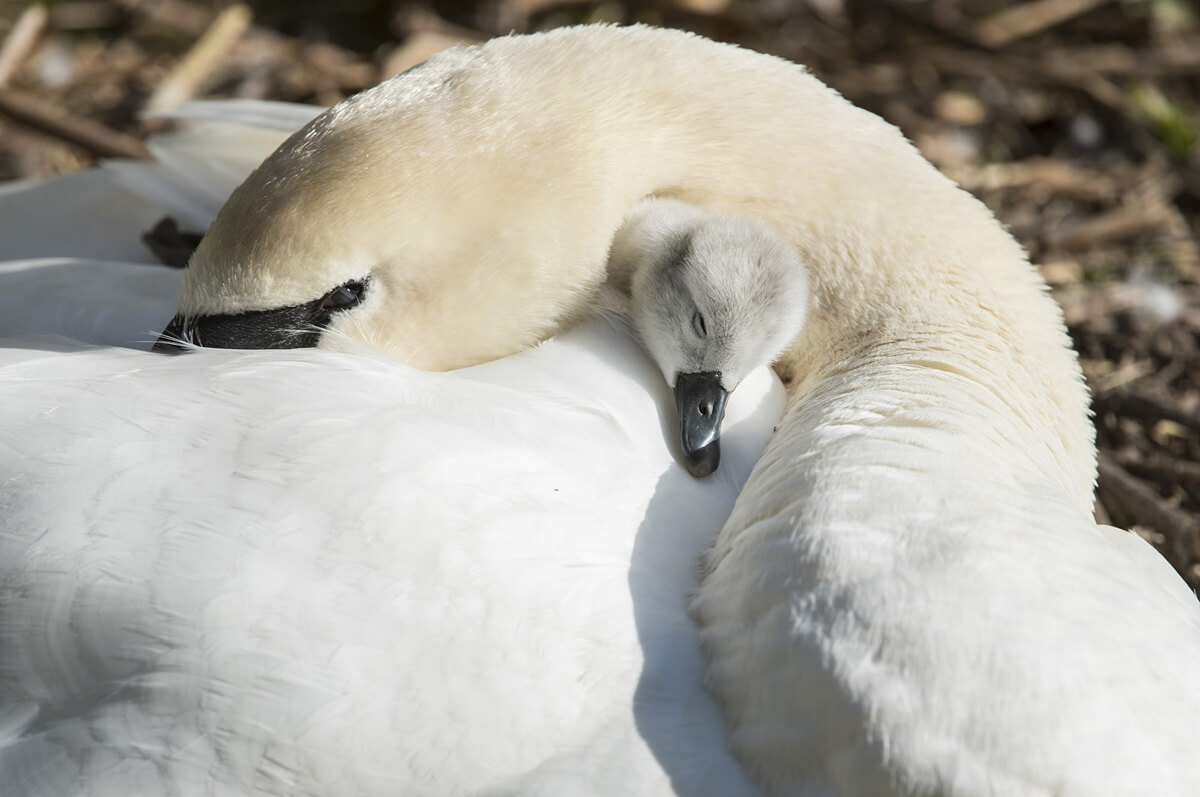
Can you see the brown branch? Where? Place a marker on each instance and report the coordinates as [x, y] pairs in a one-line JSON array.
[[1166, 59], [1146, 406], [89, 134], [1125, 222], [332, 67], [1010, 68], [84, 15], [1136, 503], [1051, 176], [1019, 22], [1160, 466], [22, 40], [176, 14], [205, 57], [923, 15]]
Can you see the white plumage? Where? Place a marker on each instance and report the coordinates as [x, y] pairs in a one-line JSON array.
[[320, 573], [910, 597], [243, 573]]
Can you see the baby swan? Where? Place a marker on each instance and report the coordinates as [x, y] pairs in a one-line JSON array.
[[711, 296]]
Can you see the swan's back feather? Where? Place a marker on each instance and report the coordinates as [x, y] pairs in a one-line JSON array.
[[312, 572]]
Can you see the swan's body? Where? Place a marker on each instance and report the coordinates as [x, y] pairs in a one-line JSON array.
[[256, 573], [214, 587], [910, 597]]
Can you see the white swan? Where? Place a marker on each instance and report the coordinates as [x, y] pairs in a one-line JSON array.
[[312, 573], [911, 596]]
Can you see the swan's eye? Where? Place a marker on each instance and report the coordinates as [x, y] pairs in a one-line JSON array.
[[698, 325], [344, 296]]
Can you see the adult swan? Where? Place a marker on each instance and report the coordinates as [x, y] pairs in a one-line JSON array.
[[910, 596]]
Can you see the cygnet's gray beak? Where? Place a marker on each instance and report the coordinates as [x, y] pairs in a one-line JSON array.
[[701, 402]]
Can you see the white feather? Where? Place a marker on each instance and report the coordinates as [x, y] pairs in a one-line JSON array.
[[326, 573], [910, 597]]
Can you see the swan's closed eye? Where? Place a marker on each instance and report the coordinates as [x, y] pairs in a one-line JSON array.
[[698, 325], [344, 296]]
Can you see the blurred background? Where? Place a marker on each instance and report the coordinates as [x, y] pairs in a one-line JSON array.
[[1076, 121]]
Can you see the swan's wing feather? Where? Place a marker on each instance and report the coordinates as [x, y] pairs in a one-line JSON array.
[[198, 165], [1147, 568], [103, 302], [283, 117], [82, 215], [102, 213], [265, 572]]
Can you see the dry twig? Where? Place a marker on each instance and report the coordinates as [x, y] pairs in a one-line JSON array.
[[202, 60], [1162, 466], [92, 136], [83, 15], [175, 14], [1133, 502], [1051, 176], [1147, 407], [1124, 222], [22, 40], [1019, 22]]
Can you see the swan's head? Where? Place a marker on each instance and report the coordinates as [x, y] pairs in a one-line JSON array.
[[412, 218], [712, 297]]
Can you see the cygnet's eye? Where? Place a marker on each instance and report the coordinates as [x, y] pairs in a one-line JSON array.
[[344, 296], [698, 325]]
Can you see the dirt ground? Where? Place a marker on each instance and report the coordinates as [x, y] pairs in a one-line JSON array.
[[1075, 120]]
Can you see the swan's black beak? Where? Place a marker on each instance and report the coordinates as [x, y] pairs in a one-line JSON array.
[[169, 341], [262, 329], [295, 327], [701, 402]]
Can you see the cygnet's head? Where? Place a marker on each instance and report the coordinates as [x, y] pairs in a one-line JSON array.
[[712, 297]]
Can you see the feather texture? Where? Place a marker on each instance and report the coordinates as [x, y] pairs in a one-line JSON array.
[[909, 598], [312, 572]]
